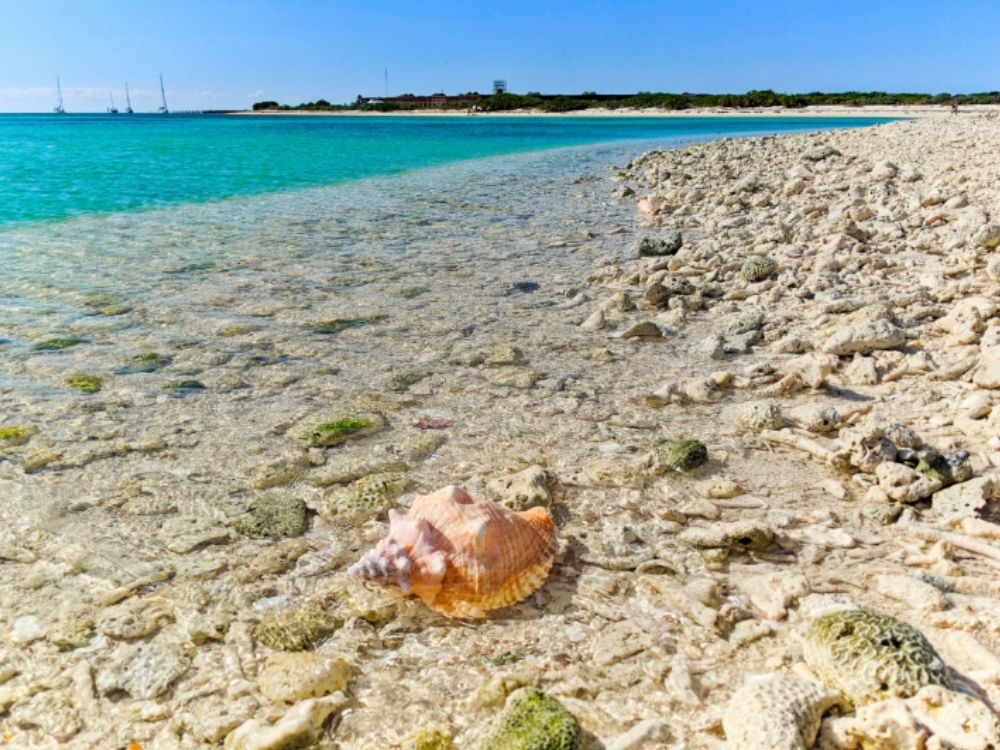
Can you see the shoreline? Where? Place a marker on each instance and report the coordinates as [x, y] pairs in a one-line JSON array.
[[810, 312], [929, 111]]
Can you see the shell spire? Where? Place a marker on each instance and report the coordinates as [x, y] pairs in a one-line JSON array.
[[463, 555]]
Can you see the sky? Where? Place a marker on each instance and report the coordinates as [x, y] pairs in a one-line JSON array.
[[220, 54]]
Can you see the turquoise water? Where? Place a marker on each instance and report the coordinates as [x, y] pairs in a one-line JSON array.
[[55, 167]]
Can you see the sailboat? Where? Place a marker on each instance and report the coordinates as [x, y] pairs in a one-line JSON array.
[[128, 100], [163, 107], [112, 110], [58, 109]]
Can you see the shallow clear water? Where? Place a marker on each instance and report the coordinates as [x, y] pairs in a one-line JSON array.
[[53, 167], [186, 270]]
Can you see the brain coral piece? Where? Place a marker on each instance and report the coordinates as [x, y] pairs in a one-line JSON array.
[[463, 555], [532, 720], [869, 656], [776, 712]]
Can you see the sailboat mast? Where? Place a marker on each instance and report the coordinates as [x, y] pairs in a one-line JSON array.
[[128, 100], [59, 110], [163, 96]]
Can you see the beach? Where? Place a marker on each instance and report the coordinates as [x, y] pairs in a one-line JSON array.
[[817, 311]]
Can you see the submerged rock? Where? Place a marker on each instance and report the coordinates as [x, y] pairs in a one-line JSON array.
[[430, 739], [291, 677], [530, 488], [371, 496], [84, 382], [16, 434], [57, 344], [297, 630], [146, 362], [298, 729], [273, 515], [337, 431], [401, 380], [532, 720], [145, 670], [336, 325], [50, 711], [182, 388]]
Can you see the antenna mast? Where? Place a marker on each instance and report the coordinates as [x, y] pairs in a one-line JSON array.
[[163, 96], [386, 83]]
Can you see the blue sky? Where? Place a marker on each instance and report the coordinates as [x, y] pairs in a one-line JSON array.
[[230, 53]]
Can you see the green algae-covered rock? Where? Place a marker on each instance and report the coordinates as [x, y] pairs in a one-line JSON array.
[[237, 329], [503, 354], [337, 431], [430, 739], [16, 434], [371, 496], [182, 388], [947, 469], [58, 344], [679, 455], [274, 516], [870, 657], [297, 630], [532, 720], [337, 325], [145, 362], [84, 382], [106, 303]]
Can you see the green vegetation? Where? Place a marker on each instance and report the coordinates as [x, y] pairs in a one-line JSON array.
[[679, 455], [658, 100], [55, 345], [16, 434], [84, 382], [105, 303], [532, 720], [338, 431]]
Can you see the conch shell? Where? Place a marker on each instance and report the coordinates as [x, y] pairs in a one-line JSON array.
[[463, 555]]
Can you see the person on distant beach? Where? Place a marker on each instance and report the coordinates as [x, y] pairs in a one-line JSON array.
[[954, 106]]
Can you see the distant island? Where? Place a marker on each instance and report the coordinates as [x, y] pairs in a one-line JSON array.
[[504, 102]]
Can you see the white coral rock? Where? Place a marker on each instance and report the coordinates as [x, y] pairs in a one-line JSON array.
[[933, 718], [776, 712]]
